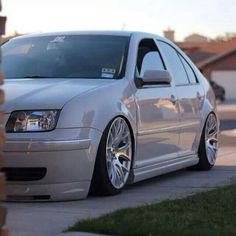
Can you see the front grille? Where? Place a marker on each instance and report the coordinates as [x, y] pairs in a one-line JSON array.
[[24, 174]]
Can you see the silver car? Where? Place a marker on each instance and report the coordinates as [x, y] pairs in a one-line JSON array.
[[95, 111]]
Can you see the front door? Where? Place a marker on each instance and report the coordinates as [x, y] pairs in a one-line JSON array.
[[158, 116]]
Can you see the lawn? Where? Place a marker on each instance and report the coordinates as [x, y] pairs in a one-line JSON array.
[[207, 213]]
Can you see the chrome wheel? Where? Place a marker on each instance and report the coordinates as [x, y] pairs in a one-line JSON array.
[[118, 153], [211, 139]]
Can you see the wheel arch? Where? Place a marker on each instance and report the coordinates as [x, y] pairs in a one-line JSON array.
[[108, 125], [207, 107], [203, 123], [129, 123]]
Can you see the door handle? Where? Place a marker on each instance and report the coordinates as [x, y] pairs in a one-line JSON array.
[[199, 96], [173, 99]]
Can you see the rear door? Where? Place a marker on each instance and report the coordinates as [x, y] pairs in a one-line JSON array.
[[190, 96]]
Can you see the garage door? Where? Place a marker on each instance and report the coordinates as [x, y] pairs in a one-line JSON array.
[[226, 79]]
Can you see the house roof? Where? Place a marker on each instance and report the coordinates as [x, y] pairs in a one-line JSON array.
[[199, 56], [203, 53], [219, 47], [216, 58], [214, 47]]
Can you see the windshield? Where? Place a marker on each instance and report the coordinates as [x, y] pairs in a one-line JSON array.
[[69, 56]]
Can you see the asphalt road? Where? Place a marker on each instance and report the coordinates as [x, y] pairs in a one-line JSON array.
[[50, 219]]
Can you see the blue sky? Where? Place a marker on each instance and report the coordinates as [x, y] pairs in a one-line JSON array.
[[207, 17]]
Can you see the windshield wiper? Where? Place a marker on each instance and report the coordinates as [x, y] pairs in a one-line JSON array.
[[36, 76]]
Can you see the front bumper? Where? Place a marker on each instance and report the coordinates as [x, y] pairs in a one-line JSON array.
[[67, 155]]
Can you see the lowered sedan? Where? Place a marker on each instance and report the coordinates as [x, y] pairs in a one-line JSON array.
[[99, 110]]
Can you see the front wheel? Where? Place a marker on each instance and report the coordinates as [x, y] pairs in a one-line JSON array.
[[114, 159], [208, 147]]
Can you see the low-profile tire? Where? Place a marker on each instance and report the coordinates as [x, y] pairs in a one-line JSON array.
[[208, 147], [114, 159]]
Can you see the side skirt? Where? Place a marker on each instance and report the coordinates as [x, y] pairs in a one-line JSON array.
[[164, 167]]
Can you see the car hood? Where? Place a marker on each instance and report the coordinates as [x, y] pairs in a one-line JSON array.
[[27, 94]]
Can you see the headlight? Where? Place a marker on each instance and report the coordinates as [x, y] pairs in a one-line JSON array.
[[32, 121]]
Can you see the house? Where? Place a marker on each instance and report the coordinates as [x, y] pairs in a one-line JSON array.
[[196, 38], [221, 68], [216, 59], [202, 50]]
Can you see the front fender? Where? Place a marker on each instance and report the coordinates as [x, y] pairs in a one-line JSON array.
[[98, 107]]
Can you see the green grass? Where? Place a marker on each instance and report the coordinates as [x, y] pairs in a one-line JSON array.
[[207, 213]]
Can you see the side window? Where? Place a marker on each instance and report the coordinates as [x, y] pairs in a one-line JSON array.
[[149, 57], [191, 75], [174, 64]]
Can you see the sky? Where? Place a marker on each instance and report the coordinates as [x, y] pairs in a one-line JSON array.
[[207, 17]]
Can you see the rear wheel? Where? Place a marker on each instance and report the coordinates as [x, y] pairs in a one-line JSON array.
[[114, 159], [208, 147]]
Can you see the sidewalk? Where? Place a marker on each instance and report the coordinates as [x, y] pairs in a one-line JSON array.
[[50, 219], [224, 107]]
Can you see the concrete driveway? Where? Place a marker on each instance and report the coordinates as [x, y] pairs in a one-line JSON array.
[[50, 219]]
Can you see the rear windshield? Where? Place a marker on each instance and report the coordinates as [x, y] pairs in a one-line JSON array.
[[69, 56]]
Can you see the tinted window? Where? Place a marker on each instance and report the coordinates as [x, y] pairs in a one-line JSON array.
[[189, 71], [69, 56], [174, 64]]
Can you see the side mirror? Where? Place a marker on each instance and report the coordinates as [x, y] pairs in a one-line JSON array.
[[156, 77]]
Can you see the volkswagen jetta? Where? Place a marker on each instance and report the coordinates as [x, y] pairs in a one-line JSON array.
[[99, 110]]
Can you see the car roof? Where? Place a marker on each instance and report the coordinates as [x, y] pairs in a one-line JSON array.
[[111, 33]]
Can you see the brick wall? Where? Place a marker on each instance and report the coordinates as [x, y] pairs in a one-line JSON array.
[[3, 229]]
